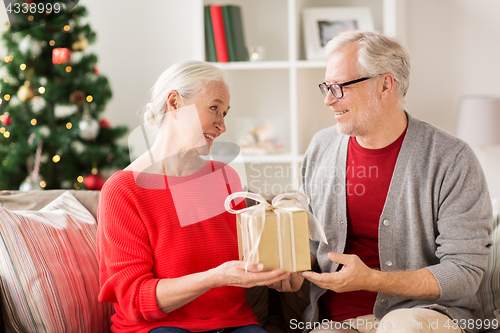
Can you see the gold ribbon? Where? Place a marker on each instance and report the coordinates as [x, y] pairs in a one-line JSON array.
[[285, 203]]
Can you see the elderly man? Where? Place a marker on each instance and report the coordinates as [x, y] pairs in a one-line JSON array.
[[404, 205]]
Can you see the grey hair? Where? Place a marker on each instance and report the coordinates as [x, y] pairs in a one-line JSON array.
[[377, 54], [188, 78]]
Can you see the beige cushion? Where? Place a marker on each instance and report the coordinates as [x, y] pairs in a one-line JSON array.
[[35, 200]]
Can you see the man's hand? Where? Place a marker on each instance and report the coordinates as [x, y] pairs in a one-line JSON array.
[[291, 284], [354, 275]]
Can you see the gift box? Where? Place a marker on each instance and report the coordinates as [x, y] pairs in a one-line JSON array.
[[283, 244], [277, 234]]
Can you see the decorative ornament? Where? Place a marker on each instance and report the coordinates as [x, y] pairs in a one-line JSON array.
[[94, 181], [6, 120], [104, 123], [44, 131], [77, 97], [61, 56], [29, 184], [14, 101], [89, 128], [80, 44], [30, 44], [77, 146], [26, 92], [38, 103], [32, 182], [62, 111], [76, 57]]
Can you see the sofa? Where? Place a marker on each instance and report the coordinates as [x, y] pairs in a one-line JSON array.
[[49, 277]]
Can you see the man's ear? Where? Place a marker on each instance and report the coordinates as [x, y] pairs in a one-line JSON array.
[[173, 101], [388, 85]]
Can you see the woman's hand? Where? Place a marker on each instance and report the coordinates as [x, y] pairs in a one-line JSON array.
[[232, 273]]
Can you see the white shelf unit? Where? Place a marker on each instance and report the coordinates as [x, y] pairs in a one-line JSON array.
[[282, 89]]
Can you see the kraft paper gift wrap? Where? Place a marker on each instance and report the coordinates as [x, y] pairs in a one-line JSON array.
[[277, 234]]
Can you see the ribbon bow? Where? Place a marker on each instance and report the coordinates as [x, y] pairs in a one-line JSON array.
[[285, 203]]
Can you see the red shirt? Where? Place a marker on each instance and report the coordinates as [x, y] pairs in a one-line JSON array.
[[368, 176], [146, 232]]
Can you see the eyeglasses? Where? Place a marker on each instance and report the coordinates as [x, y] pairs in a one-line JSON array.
[[337, 89]]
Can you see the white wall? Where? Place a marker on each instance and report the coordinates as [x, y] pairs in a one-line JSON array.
[[455, 51], [136, 42], [454, 46]]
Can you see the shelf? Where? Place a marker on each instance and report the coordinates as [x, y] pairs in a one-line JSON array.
[[311, 64], [275, 158], [283, 89], [251, 65]]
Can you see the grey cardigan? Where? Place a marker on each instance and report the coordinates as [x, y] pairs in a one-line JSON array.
[[437, 215]]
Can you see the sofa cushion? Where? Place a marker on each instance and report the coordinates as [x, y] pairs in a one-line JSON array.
[[35, 200], [49, 269], [489, 290]]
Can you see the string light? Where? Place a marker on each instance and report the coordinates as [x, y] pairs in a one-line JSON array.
[[52, 43], [76, 186], [90, 98], [11, 57], [7, 97], [68, 69], [41, 90], [31, 18], [69, 125], [5, 79], [6, 134], [1, 100], [6, 59], [43, 184], [23, 67], [79, 179], [66, 28], [5, 162], [56, 158], [33, 121], [2, 130]]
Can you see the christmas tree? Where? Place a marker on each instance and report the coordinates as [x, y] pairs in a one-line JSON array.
[[52, 96]]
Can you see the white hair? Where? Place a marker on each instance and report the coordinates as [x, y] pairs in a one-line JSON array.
[[377, 54], [188, 78]]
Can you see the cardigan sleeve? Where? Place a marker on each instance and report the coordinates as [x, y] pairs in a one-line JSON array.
[[125, 256], [464, 228]]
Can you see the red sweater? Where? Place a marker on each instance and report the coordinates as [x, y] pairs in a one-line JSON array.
[[140, 241], [368, 176]]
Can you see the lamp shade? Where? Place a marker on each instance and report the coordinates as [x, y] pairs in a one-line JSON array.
[[479, 120]]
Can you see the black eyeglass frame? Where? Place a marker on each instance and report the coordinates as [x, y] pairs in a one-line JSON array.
[[341, 86]]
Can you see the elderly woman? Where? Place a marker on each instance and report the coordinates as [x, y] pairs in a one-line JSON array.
[[168, 260]]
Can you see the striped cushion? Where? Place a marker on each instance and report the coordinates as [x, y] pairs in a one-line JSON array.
[[49, 269], [489, 290]]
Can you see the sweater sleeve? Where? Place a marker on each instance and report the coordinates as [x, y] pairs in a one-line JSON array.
[[125, 256], [464, 227]]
